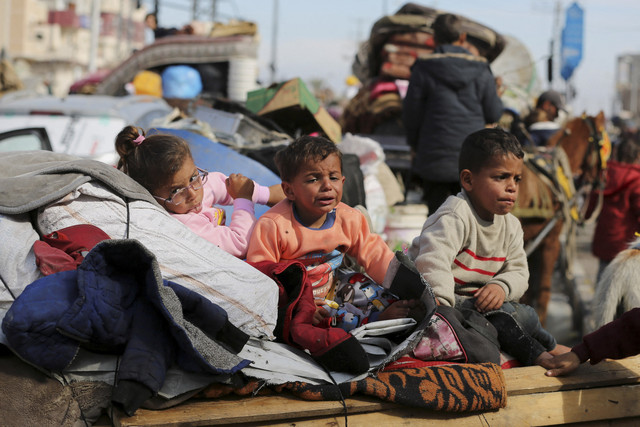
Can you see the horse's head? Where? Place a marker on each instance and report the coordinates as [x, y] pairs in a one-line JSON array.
[[587, 146]]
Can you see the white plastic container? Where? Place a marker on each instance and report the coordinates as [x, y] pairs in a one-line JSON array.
[[243, 76], [404, 223]]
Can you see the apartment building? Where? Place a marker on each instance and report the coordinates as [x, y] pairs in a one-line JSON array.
[[53, 43], [627, 101]]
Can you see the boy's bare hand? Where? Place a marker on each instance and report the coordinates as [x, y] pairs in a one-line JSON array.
[[319, 315], [489, 297], [239, 186], [561, 365]]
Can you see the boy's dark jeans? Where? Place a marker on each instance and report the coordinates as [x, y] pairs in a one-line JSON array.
[[526, 317]]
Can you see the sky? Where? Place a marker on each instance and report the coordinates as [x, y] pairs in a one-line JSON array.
[[318, 39]]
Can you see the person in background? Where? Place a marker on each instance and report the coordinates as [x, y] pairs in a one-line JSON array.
[[615, 340], [451, 94], [163, 164], [471, 249], [151, 21], [541, 123], [619, 219]]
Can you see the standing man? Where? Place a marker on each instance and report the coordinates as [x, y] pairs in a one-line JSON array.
[[451, 94], [541, 122]]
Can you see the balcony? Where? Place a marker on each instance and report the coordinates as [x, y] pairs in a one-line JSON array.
[[64, 18]]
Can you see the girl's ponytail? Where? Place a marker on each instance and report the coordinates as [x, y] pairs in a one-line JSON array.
[[126, 145]]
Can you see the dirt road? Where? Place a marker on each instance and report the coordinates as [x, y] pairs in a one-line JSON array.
[[560, 320]]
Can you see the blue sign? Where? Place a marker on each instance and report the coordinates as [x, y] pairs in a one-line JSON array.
[[571, 47]]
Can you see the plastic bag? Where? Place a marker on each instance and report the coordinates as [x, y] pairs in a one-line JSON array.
[[181, 81]]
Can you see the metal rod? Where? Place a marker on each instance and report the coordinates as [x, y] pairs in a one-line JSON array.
[[533, 245]]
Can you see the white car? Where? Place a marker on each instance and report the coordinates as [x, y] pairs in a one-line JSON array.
[[80, 125]]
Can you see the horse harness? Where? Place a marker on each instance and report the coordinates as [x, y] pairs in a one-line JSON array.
[[598, 153], [552, 167]]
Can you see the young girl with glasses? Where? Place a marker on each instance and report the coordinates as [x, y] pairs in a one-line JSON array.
[[163, 164]]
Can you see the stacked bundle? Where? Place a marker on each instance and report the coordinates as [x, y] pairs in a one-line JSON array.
[[401, 51], [383, 65]]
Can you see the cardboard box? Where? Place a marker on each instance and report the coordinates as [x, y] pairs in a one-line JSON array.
[[293, 107]]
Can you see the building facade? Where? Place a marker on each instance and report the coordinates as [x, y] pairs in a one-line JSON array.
[[53, 43], [627, 101]]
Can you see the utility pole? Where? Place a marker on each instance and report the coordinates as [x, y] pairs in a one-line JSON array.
[[121, 28], [7, 28], [130, 33], [95, 33], [555, 43], [200, 10], [274, 41]]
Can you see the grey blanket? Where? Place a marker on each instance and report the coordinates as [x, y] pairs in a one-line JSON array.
[[32, 179]]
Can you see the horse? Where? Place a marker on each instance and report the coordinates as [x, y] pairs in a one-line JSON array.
[[552, 201], [617, 290]]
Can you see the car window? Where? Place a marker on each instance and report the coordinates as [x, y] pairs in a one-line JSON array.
[[28, 139]]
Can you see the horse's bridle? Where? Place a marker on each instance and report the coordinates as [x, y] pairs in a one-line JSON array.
[[597, 155], [598, 152]]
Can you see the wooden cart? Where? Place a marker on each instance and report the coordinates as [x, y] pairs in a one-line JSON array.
[[604, 394]]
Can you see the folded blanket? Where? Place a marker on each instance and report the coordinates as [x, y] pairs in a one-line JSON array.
[[32, 179]]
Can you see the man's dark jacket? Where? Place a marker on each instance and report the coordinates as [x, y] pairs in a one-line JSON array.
[[451, 94]]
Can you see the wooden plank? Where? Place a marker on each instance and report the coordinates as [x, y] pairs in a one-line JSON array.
[[531, 379], [246, 410], [616, 422], [540, 409], [395, 417], [523, 384]]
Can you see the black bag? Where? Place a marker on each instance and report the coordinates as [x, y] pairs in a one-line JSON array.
[[476, 335]]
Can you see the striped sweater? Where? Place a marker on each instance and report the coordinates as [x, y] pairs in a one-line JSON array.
[[459, 252]]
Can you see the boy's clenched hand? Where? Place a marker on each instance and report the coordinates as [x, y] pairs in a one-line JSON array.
[[489, 297], [320, 314]]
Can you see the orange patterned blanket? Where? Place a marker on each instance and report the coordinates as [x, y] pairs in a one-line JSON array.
[[431, 385]]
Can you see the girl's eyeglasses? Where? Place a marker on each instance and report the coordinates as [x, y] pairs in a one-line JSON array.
[[179, 195]]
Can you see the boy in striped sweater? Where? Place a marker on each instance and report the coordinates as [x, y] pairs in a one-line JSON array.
[[471, 250]]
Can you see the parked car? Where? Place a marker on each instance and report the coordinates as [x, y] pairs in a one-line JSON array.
[[81, 125]]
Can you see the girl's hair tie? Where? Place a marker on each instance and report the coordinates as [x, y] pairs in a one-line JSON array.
[[138, 140]]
